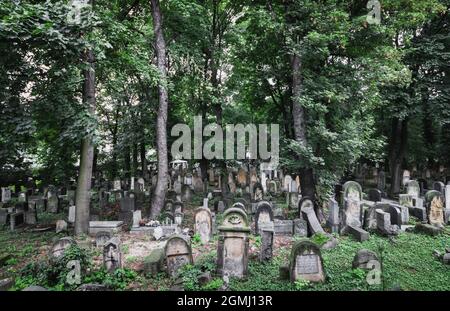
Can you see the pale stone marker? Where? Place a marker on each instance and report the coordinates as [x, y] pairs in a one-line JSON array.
[[307, 212], [264, 215], [306, 262], [112, 256], [436, 213], [203, 224], [232, 249], [6, 195], [178, 253], [72, 210], [137, 216]]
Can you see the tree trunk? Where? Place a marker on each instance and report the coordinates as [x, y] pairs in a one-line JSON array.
[[161, 122], [135, 159], [307, 184], [87, 152], [143, 161], [399, 137], [127, 162]]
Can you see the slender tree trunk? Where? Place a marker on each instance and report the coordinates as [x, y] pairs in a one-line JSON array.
[[127, 162], [399, 138], [143, 160], [87, 152], [161, 122], [298, 113], [135, 159]]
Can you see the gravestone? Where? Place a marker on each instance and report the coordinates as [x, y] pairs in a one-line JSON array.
[[137, 216], [439, 186], [283, 227], [351, 214], [300, 227], [6, 195], [258, 192], [203, 224], [186, 193], [177, 207], [177, 186], [333, 216], [52, 201], [197, 184], [292, 199], [31, 213], [351, 190], [101, 238], [447, 204], [178, 218], [266, 251], [384, 225], [263, 215], [233, 245], [178, 253], [117, 185], [72, 210], [287, 183], [436, 211], [374, 195], [59, 247], [306, 262], [413, 188], [112, 256], [306, 207], [61, 226], [109, 226], [242, 178], [406, 177]]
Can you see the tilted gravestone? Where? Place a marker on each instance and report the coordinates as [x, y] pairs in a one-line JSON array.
[[203, 224], [112, 256], [384, 225], [264, 215], [257, 192], [232, 249], [101, 238], [178, 254], [52, 201], [306, 262], [306, 207]]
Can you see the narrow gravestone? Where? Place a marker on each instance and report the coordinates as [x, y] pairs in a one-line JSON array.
[[266, 245], [300, 227], [263, 214], [72, 210], [178, 253], [203, 224], [374, 195], [232, 249], [137, 217], [112, 256], [306, 262], [436, 211], [333, 216]]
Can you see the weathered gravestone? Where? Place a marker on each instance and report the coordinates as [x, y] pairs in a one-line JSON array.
[[374, 195], [436, 211], [186, 193], [306, 262], [264, 215], [59, 247], [232, 249], [203, 224], [112, 256], [6, 195], [258, 192], [197, 183], [52, 201], [333, 216], [72, 211], [406, 177], [101, 238], [61, 226], [384, 225], [447, 204], [178, 253], [266, 245], [413, 188], [137, 216], [109, 226], [306, 207]]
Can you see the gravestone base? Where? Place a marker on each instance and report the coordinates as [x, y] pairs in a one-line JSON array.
[[359, 234], [283, 227]]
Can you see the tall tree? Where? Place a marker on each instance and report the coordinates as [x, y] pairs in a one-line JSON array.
[[87, 147], [161, 123]]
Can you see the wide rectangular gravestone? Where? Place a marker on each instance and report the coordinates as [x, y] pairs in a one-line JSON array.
[[283, 227], [306, 262], [108, 226]]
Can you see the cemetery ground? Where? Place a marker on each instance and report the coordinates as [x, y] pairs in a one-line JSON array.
[[408, 262]]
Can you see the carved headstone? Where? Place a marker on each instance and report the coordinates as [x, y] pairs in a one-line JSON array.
[[232, 249], [203, 224], [178, 253], [112, 256], [266, 245], [306, 262], [264, 215]]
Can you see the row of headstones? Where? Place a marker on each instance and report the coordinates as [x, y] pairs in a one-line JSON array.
[[356, 214]]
